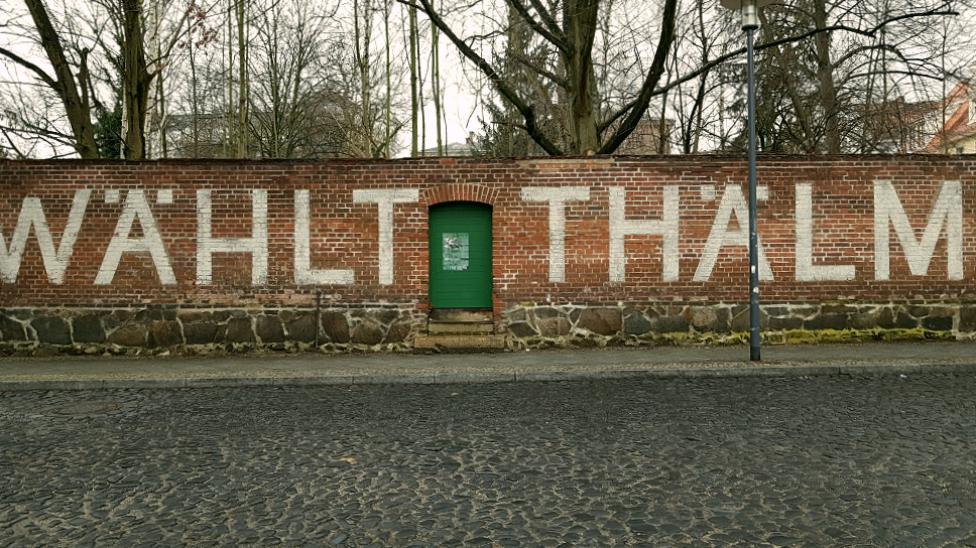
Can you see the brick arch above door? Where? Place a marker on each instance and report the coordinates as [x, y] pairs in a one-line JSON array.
[[458, 192]]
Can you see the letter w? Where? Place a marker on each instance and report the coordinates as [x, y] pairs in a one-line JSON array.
[[32, 216]]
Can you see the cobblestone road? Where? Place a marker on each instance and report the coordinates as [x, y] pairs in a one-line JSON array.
[[874, 461]]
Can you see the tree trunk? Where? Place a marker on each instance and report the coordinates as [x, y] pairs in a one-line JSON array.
[[580, 21], [136, 82], [160, 117], [435, 76], [229, 145], [414, 149], [825, 76], [389, 87], [242, 92], [195, 109], [76, 104], [362, 30]]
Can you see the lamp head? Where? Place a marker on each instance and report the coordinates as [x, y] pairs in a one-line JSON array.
[[749, 10]]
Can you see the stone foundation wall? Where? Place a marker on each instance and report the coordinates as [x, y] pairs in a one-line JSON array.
[[372, 328], [197, 330], [539, 326]]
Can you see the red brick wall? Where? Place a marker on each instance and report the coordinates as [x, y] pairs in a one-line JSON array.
[[344, 234]]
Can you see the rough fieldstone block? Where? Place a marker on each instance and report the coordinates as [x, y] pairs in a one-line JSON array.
[[52, 330], [269, 329], [150, 313], [543, 312], [117, 318], [301, 327], [88, 329], [239, 331], [919, 311], [937, 323], [740, 322], [967, 318], [368, 333], [885, 318], [669, 324], [133, 334], [399, 331], [384, 315], [904, 321], [517, 315], [556, 326], [202, 332], [12, 330], [603, 321], [777, 311], [19, 313], [865, 320], [784, 322], [704, 318], [222, 315], [574, 314], [804, 311], [827, 321], [193, 316], [164, 333], [740, 318], [335, 326], [636, 324], [522, 330]]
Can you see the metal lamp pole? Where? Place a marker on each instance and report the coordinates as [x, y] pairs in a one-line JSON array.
[[749, 10]]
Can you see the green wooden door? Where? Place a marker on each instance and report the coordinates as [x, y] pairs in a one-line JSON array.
[[460, 255]]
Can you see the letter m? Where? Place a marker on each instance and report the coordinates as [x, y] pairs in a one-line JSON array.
[[944, 217], [55, 260]]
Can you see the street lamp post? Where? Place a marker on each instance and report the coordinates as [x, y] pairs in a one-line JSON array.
[[749, 10]]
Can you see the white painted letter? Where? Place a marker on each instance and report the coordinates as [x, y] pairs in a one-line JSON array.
[[620, 227], [32, 215], [384, 200], [136, 208], [256, 245], [557, 198], [806, 271], [947, 211], [733, 203], [304, 275]]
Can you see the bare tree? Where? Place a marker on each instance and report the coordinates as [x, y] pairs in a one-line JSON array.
[[74, 90]]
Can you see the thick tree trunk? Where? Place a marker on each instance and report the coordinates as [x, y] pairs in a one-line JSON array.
[[76, 103], [825, 76], [580, 22], [136, 82]]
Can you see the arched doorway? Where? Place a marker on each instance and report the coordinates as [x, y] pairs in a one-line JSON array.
[[460, 256]]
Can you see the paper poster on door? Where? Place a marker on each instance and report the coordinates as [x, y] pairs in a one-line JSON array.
[[456, 251]]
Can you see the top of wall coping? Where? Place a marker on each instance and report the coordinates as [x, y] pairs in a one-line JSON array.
[[450, 160]]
